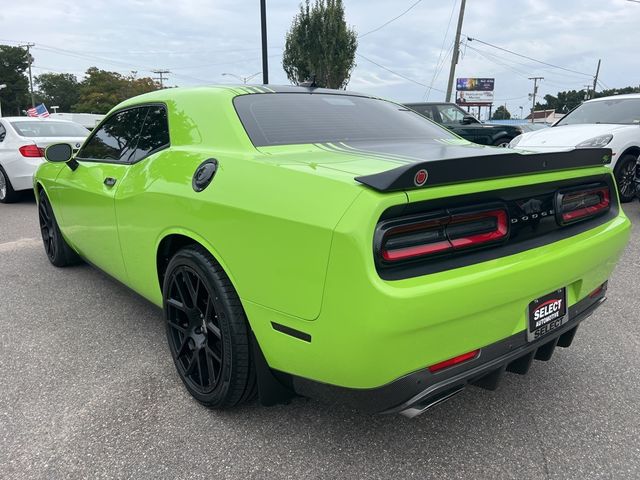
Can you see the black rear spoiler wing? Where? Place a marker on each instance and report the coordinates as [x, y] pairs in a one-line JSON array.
[[470, 169]]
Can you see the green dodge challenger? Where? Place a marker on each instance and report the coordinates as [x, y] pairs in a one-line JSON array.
[[334, 245]]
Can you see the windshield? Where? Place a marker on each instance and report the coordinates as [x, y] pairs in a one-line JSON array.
[[294, 118], [49, 129], [615, 110]]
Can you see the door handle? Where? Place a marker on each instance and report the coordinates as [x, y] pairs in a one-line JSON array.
[[109, 181]]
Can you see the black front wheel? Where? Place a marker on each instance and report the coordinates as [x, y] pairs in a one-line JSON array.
[[502, 142], [207, 330], [624, 172], [57, 249]]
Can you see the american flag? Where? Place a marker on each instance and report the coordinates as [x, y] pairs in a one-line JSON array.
[[39, 111]]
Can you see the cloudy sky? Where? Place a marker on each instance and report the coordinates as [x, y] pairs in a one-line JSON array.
[[199, 40]]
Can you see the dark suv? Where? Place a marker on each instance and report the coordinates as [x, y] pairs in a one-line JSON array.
[[467, 126]]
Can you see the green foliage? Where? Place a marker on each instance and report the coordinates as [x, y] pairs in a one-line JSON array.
[[13, 65], [101, 90], [501, 113], [563, 102], [319, 46], [61, 89]]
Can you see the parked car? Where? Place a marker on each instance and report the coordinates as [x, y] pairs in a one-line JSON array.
[[466, 125], [612, 122], [22, 144], [532, 127], [322, 242]]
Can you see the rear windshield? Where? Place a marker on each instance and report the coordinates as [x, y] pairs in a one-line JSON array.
[[290, 118], [49, 129]]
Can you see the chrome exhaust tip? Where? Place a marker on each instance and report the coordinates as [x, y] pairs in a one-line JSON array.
[[419, 407]]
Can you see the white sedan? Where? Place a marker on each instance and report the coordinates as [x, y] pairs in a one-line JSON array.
[[22, 144], [611, 122]]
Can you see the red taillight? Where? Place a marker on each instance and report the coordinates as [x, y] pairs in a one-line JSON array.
[[31, 151], [446, 233], [598, 290], [454, 361], [582, 204]]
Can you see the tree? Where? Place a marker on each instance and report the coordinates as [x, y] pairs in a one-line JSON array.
[[14, 62], [61, 89], [319, 46], [101, 90], [501, 113]]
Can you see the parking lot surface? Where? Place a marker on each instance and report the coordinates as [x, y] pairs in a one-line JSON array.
[[88, 390]]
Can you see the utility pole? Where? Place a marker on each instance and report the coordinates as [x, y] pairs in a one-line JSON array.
[[595, 79], [586, 95], [456, 51], [30, 59], [263, 27], [535, 91], [160, 76]]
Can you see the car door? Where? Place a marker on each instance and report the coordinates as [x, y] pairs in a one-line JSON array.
[[86, 195], [452, 117]]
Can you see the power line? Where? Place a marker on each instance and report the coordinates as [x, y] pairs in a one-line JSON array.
[[396, 73], [528, 58], [438, 68], [392, 20]]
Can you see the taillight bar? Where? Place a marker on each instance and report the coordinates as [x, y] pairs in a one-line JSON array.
[[31, 151], [449, 232], [583, 203]]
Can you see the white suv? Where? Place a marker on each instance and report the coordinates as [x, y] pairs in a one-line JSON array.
[[611, 122]]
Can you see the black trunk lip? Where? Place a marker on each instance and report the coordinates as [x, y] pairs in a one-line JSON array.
[[489, 165]]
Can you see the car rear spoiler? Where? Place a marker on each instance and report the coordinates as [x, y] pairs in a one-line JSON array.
[[469, 169]]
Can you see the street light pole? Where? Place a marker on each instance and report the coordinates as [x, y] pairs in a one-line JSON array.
[[263, 28], [242, 79], [263, 25]]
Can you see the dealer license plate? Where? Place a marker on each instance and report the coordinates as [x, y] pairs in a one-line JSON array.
[[547, 313]]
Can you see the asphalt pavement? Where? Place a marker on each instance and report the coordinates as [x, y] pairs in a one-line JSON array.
[[88, 390]]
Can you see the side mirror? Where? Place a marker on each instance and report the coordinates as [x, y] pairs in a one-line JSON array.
[[467, 119], [61, 153]]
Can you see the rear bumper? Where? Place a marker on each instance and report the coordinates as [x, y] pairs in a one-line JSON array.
[[21, 170], [413, 394]]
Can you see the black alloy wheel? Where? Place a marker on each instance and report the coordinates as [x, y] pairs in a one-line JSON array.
[[207, 330], [194, 330], [625, 172], [47, 228], [502, 142]]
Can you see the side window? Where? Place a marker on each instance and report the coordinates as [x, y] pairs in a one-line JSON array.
[[3, 132], [450, 114], [154, 135], [116, 139], [426, 111]]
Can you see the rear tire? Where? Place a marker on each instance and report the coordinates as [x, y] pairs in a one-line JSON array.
[[57, 249], [7, 193], [624, 172], [207, 330]]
